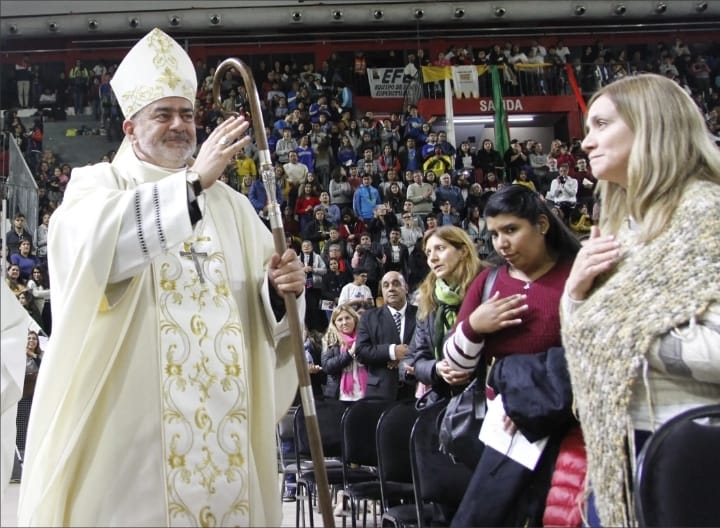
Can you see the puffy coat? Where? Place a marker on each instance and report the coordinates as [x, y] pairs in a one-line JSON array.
[[567, 487]]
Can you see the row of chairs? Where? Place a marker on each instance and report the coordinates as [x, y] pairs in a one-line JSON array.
[[387, 453], [379, 453]]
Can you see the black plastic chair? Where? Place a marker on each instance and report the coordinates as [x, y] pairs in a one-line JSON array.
[[677, 482], [439, 483], [329, 415], [394, 472], [359, 454], [286, 461]]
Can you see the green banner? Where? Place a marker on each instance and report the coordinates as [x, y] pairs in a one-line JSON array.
[[502, 142]]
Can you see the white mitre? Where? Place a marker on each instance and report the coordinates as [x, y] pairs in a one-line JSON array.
[[154, 68]]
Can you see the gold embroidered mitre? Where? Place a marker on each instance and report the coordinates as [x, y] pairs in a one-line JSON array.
[[154, 68]]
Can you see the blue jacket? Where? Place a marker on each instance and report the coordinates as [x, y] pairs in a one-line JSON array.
[[365, 199], [258, 196]]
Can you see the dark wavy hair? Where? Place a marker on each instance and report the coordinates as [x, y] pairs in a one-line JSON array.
[[518, 200]]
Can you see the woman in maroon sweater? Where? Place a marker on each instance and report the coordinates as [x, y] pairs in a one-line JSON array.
[[534, 252]]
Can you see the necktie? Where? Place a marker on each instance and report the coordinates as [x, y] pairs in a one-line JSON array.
[[398, 323]]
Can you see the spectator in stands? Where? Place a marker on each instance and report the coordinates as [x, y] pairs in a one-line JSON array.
[[515, 158], [80, 79], [538, 163], [33, 352], [474, 226], [421, 194], [33, 358], [446, 215], [465, 158], [244, 165], [365, 198], [337, 249], [24, 259], [305, 205], [296, 174], [40, 289], [389, 134], [13, 279], [332, 211], [346, 153], [368, 255], [351, 228], [410, 156], [447, 192], [305, 153], [357, 293], [700, 75], [346, 376], [447, 147], [341, 193], [586, 183], [523, 179], [489, 159], [285, 146], [333, 283], [563, 191], [16, 235], [28, 302], [324, 162], [413, 122], [42, 232], [438, 162], [345, 96], [490, 182], [410, 230], [259, 199], [23, 77], [369, 166], [630, 331], [315, 269], [317, 230], [381, 223], [429, 142], [580, 221], [388, 160], [476, 197], [394, 197]]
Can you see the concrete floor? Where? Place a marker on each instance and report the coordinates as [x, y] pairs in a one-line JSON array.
[[8, 511]]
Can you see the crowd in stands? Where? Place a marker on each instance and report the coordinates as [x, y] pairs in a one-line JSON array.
[[359, 191]]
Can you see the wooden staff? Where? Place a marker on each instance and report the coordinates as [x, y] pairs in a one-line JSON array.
[[267, 172]]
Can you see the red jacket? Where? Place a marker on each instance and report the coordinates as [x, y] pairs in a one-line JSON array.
[[566, 495]]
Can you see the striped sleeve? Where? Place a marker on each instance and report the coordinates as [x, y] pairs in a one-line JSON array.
[[461, 351]]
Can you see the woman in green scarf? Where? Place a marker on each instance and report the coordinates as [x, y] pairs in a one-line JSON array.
[[453, 264]]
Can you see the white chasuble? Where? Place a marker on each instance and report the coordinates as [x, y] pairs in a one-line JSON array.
[[161, 385], [204, 385]]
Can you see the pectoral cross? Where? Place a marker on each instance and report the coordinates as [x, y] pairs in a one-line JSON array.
[[191, 253]]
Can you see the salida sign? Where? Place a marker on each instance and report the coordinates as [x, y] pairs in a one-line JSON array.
[[510, 105]]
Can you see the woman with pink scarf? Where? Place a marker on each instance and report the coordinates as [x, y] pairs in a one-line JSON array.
[[347, 378]]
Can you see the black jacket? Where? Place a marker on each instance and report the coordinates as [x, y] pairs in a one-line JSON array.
[[376, 333]]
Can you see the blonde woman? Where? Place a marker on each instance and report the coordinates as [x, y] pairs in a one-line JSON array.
[[347, 378], [640, 307]]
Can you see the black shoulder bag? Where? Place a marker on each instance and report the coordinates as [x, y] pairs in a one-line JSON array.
[[459, 423]]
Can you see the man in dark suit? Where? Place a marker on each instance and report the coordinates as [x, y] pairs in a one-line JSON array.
[[380, 346], [396, 256]]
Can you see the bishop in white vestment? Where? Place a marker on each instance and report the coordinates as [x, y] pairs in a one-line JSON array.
[[167, 369]]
